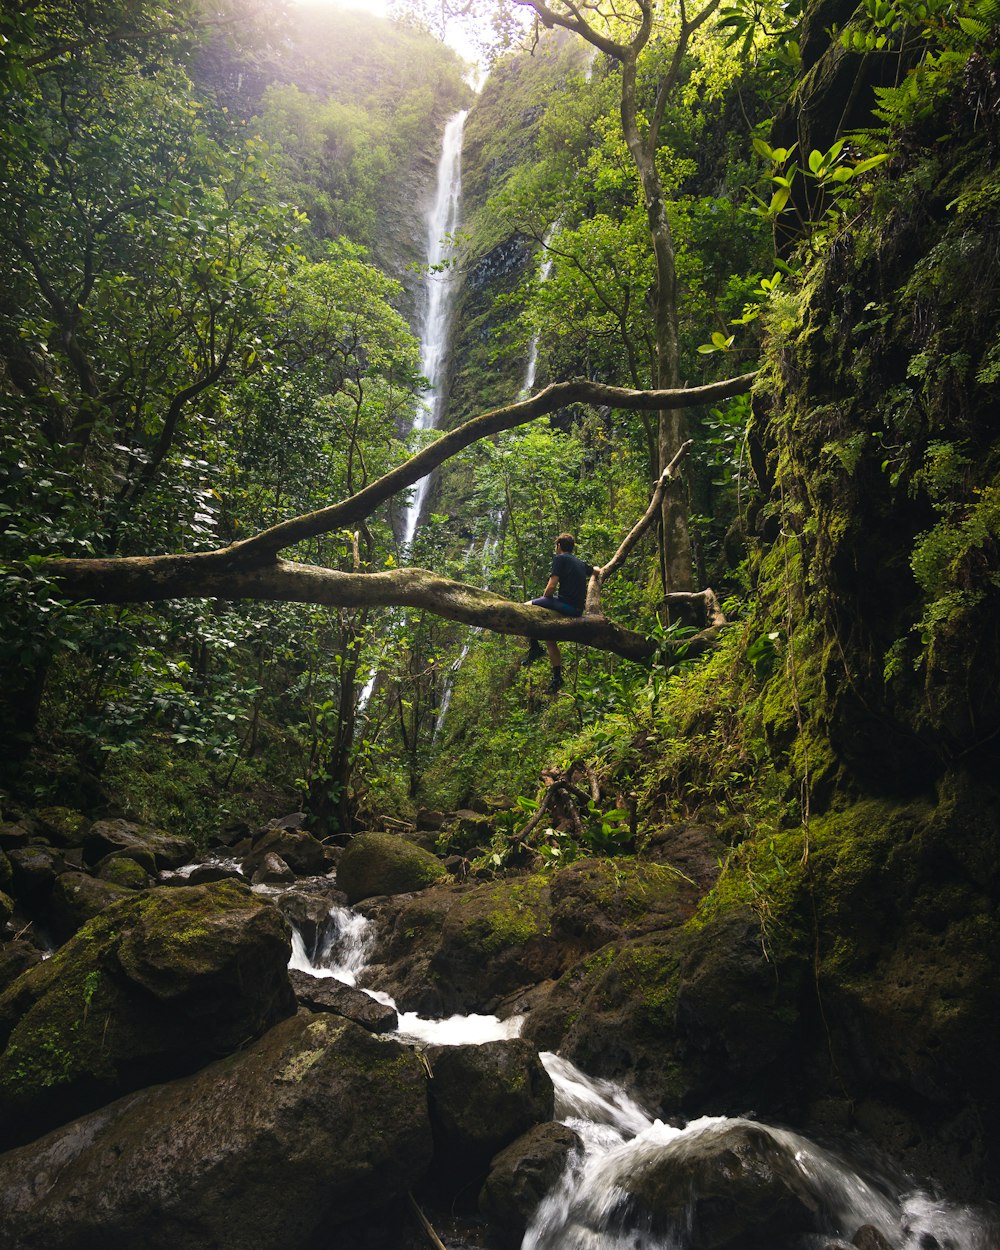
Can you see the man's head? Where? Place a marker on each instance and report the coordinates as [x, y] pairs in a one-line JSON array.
[[565, 542]]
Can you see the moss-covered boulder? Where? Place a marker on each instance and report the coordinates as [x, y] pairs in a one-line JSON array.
[[121, 870], [465, 947], [6, 907], [17, 957], [482, 1098], [76, 898], [382, 863], [154, 849], [156, 985], [278, 1147], [62, 826]]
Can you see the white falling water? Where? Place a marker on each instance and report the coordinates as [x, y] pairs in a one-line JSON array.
[[439, 290], [543, 275]]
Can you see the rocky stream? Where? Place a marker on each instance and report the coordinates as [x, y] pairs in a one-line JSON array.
[[289, 1044]]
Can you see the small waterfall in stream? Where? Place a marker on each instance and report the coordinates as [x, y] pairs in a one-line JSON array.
[[439, 290], [589, 1207]]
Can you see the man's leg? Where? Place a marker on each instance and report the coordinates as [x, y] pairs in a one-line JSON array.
[[555, 682]]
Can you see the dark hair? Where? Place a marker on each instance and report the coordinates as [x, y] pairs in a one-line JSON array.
[[566, 542]]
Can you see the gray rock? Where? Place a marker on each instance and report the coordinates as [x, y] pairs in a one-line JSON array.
[[869, 1238], [520, 1177], [304, 854], [152, 848], [273, 1148], [329, 994], [482, 1099], [271, 870], [34, 870], [732, 1187], [17, 957]]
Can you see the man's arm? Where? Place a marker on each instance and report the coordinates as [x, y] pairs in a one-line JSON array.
[[551, 585]]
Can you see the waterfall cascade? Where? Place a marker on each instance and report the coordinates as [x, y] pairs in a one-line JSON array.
[[439, 290]]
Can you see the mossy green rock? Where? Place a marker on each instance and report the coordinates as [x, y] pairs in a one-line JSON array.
[[6, 907], [154, 849], [155, 986], [123, 871], [78, 897], [62, 826], [327, 1121], [381, 863]]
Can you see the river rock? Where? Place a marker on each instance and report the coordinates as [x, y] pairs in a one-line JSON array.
[[62, 826], [309, 912], [34, 869], [304, 854], [76, 898], [124, 871], [155, 986], [520, 1177], [13, 833], [16, 957], [733, 1187], [271, 870], [869, 1238], [329, 994], [383, 863], [482, 1098], [273, 1148], [154, 849], [6, 907], [203, 874]]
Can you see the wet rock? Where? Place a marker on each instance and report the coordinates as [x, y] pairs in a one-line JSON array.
[[294, 820], [520, 1177], [271, 870], [6, 907], [455, 948], [13, 834], [309, 912], [383, 863], [34, 870], [17, 957], [274, 1148], [203, 874], [123, 871], [153, 849], [157, 985], [76, 898], [482, 1098], [62, 826], [728, 1188], [304, 854], [869, 1238], [329, 994]]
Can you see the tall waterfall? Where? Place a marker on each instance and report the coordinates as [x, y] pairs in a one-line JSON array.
[[438, 298]]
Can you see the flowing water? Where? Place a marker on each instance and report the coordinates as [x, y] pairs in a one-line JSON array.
[[439, 292], [589, 1207]]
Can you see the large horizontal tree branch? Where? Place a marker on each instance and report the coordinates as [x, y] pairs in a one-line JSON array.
[[136, 581], [251, 570]]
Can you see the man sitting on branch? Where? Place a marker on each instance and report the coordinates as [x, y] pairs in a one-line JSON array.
[[565, 592]]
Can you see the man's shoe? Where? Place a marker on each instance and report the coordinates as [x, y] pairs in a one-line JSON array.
[[555, 681], [535, 652]]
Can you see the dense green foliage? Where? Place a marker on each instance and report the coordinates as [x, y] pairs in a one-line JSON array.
[[204, 330]]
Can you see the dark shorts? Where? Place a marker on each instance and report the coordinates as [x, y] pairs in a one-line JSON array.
[[556, 605]]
